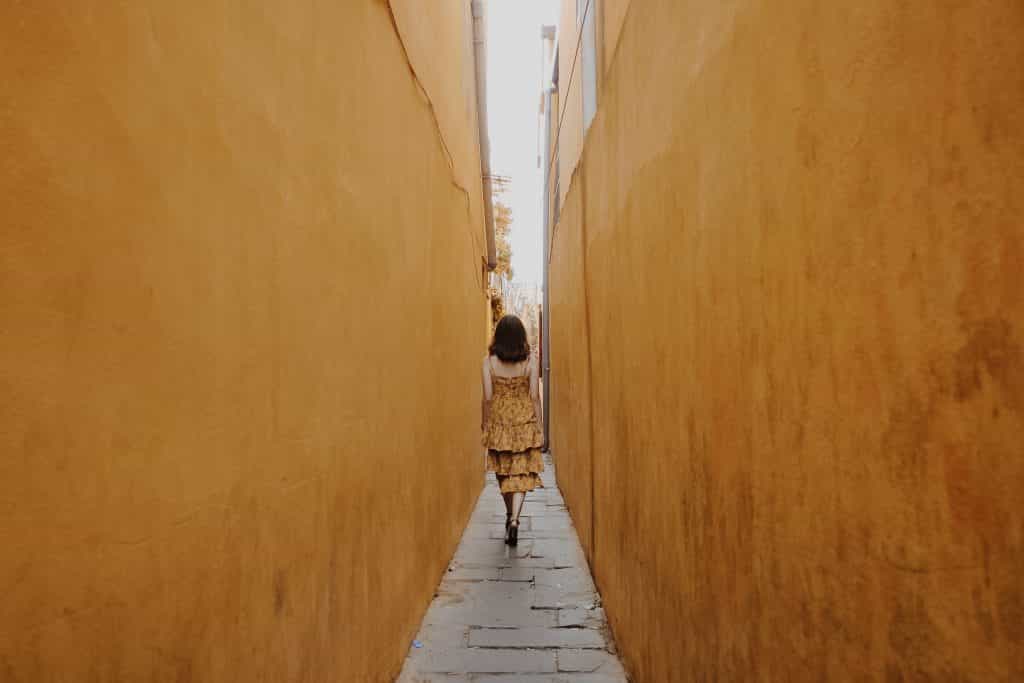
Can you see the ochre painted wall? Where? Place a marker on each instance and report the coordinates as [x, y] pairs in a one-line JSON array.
[[610, 16], [570, 99], [795, 238], [241, 308], [613, 14], [570, 369], [438, 41]]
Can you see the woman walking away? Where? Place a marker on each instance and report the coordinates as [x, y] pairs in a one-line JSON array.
[[511, 426]]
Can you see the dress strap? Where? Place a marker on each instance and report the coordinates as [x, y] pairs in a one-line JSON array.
[[493, 371]]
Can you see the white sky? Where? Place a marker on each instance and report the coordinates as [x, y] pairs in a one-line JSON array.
[[513, 100]]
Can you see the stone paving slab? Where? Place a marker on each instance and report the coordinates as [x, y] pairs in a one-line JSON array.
[[529, 614], [579, 616], [518, 573], [475, 574], [536, 637], [589, 661], [538, 678], [424, 677]]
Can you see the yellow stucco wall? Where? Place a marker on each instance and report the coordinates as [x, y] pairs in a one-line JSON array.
[[570, 369], [610, 16], [798, 244], [570, 101], [241, 301], [613, 15], [440, 50]]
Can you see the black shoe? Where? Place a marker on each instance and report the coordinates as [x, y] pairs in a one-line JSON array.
[[513, 534]]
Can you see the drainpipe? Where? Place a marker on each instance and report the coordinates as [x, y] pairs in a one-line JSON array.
[[480, 57], [548, 36]]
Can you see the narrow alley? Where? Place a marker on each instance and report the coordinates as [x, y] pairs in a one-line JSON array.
[[528, 614], [280, 280]]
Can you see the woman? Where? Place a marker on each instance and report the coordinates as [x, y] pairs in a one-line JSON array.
[[511, 419]]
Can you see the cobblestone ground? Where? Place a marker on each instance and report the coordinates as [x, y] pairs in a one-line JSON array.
[[529, 614]]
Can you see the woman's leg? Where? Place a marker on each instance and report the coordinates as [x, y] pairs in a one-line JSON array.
[[517, 505], [507, 497], [512, 538], [508, 508]]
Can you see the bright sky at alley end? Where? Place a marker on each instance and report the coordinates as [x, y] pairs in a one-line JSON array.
[[513, 97]]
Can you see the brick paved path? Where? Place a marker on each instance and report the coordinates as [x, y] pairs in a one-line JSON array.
[[529, 614]]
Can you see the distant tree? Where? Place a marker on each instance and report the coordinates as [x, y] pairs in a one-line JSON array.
[[497, 307], [533, 325], [502, 227]]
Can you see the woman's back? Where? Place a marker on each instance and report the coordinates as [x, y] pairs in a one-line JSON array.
[[513, 423], [500, 368], [510, 392]]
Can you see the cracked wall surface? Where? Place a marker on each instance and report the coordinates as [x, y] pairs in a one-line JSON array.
[[787, 328], [242, 321]]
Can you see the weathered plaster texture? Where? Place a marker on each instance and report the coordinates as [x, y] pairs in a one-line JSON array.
[[612, 14], [788, 341], [570, 100], [241, 325], [438, 42]]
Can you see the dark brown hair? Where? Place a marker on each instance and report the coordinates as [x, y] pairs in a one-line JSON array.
[[510, 345]]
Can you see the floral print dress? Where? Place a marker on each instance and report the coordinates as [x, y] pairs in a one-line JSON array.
[[512, 436]]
